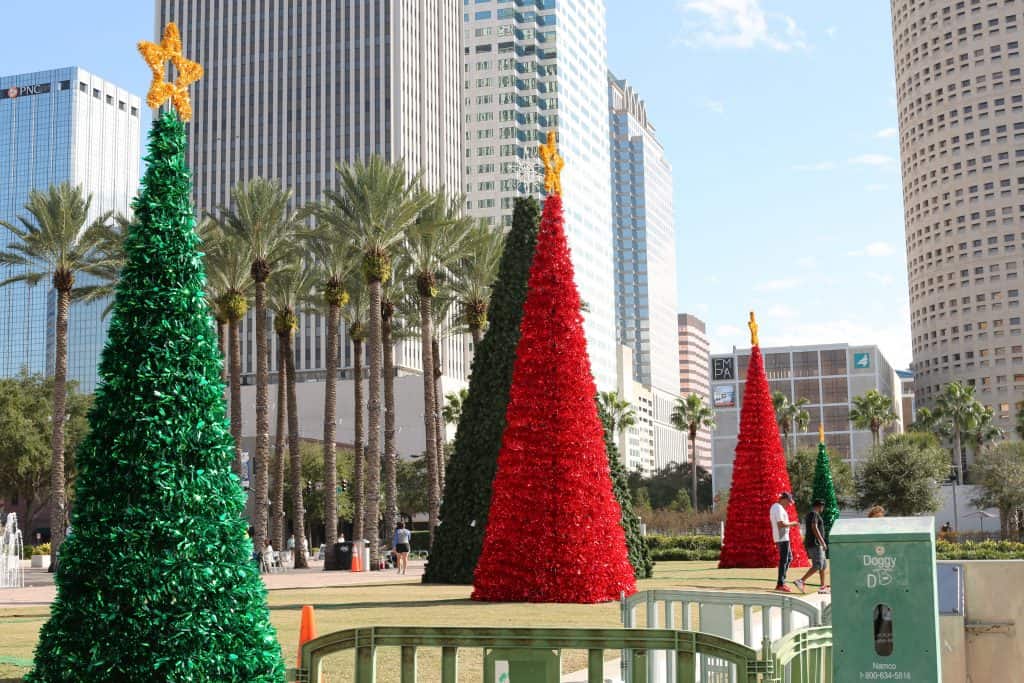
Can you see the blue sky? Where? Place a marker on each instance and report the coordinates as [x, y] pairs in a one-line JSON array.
[[778, 116]]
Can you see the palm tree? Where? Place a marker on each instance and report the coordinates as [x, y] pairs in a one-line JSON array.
[[334, 261], [474, 274], [355, 315], [392, 329], [454, 400], [619, 411], [985, 430], [290, 292], [955, 407], [229, 281], [791, 417], [277, 471], [374, 204], [260, 216], [925, 420], [872, 411], [691, 414], [56, 240], [433, 244]]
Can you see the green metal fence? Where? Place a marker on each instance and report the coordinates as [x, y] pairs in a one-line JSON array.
[[803, 656], [530, 654]]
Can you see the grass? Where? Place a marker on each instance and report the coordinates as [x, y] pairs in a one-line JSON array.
[[411, 604]]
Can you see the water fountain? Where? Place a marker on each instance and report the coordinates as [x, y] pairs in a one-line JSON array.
[[11, 573]]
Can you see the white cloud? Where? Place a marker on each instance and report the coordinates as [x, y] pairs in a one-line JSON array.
[[831, 31], [875, 249], [887, 133], [739, 24], [872, 160], [716, 106], [781, 311], [727, 331], [883, 279], [820, 166], [875, 187], [778, 285]]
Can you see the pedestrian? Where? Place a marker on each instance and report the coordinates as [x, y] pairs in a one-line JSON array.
[[876, 511], [814, 542], [401, 545], [267, 555], [780, 532], [947, 528]]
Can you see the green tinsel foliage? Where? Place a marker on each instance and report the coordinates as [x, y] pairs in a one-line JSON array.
[[459, 540], [636, 542], [156, 581], [824, 489]]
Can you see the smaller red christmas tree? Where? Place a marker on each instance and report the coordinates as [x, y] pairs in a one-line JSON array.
[[759, 475], [554, 531]]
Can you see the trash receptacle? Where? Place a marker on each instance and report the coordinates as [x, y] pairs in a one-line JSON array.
[[338, 558]]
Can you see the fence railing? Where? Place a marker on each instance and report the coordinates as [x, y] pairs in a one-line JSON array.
[[803, 656], [532, 653], [717, 613]]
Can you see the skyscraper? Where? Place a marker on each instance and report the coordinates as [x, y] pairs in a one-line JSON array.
[[61, 125], [961, 113], [695, 374], [292, 88], [530, 68], [645, 240]]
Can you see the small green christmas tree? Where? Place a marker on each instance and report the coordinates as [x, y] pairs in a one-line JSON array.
[[636, 542], [156, 581], [824, 487], [467, 491]]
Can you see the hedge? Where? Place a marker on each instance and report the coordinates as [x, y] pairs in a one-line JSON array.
[[983, 550]]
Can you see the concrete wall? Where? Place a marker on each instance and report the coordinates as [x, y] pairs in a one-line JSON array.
[[964, 514], [987, 643]]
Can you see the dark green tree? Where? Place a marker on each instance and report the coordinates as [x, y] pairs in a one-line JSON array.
[[156, 582], [636, 542], [467, 493], [903, 474]]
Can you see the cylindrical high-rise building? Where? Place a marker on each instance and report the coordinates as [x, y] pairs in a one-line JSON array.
[[961, 123]]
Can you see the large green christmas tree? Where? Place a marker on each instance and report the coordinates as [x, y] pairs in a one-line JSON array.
[[824, 487], [636, 542], [467, 491], [156, 580]]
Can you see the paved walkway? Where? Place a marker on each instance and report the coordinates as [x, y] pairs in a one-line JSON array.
[[40, 591]]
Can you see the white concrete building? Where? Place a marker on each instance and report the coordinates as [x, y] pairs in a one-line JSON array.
[[61, 125], [529, 68], [652, 443], [294, 88]]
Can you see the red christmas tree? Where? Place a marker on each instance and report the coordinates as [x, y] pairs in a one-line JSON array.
[[759, 475], [554, 531]]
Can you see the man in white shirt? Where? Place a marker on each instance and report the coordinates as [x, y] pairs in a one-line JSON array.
[[780, 531]]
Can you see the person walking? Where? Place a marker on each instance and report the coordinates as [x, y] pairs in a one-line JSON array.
[[780, 531], [814, 542], [401, 546]]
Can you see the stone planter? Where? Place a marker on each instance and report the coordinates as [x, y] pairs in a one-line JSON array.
[[41, 561]]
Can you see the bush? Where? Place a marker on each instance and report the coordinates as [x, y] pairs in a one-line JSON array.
[[420, 540], [28, 551], [984, 550], [693, 542], [684, 554]]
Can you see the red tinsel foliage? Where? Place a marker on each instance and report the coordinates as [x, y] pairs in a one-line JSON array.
[[758, 477], [554, 531]]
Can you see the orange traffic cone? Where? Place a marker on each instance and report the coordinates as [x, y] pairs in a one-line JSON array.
[[307, 630], [357, 564]]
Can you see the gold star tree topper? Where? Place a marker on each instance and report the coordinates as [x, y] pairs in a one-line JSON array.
[[753, 330], [156, 55], [553, 164]]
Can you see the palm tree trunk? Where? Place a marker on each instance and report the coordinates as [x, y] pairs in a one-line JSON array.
[[358, 465], [295, 453], [390, 452], [330, 409], [223, 350], [235, 381], [262, 411], [439, 426], [429, 426], [371, 517], [58, 496], [277, 480], [693, 471], [478, 336], [957, 459]]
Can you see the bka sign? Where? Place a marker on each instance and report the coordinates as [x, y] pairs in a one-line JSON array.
[[16, 91]]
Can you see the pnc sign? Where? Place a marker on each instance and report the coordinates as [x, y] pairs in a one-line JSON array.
[[16, 91]]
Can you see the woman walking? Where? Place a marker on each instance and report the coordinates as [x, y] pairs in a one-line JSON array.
[[400, 544]]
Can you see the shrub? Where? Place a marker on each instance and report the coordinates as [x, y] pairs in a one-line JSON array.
[[983, 550], [693, 542], [29, 550]]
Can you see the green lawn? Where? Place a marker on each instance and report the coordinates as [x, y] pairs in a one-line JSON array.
[[412, 604]]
